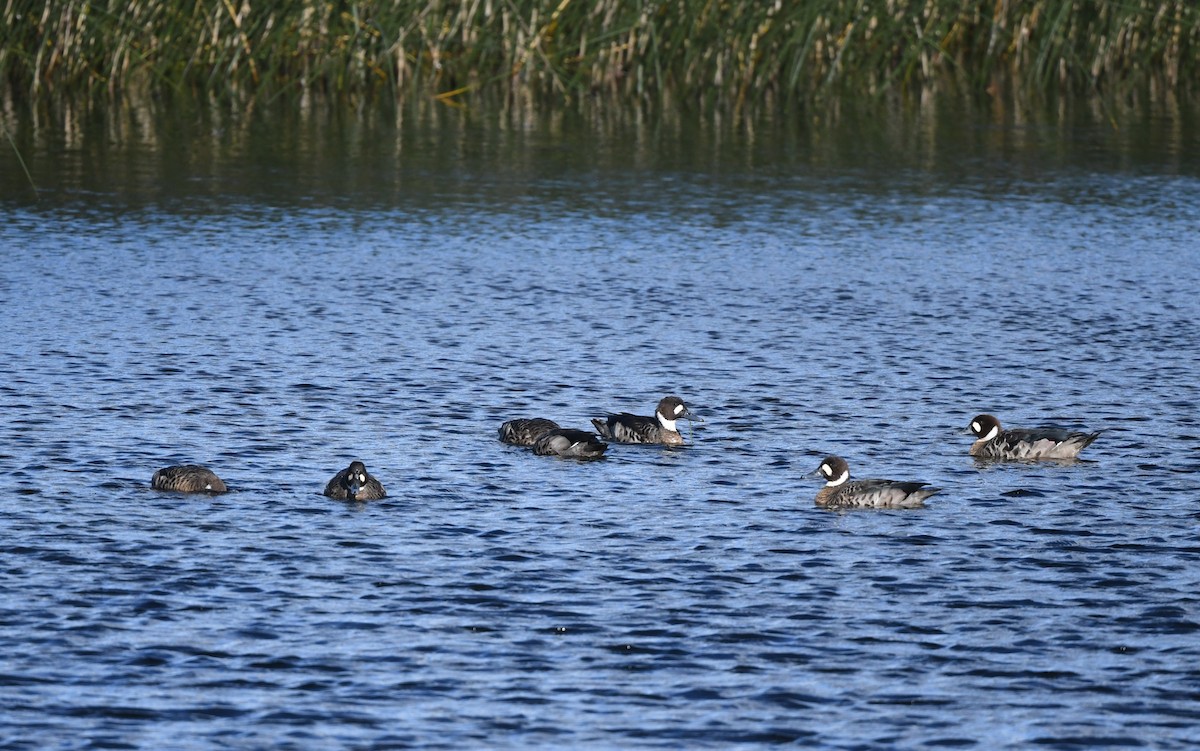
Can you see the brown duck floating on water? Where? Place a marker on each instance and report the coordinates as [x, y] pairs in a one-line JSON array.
[[626, 428], [526, 431], [840, 492], [354, 483], [1025, 444], [187, 478], [546, 438]]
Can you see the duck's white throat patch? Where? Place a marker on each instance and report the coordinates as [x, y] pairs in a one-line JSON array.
[[834, 482], [995, 431], [667, 424]]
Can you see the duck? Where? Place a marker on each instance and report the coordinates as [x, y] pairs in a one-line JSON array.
[[354, 483], [842, 493], [187, 478], [525, 431], [1025, 444], [626, 428], [574, 444]]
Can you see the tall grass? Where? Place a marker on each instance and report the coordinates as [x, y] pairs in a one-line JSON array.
[[715, 50]]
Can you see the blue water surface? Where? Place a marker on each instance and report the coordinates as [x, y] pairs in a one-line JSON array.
[[658, 598]]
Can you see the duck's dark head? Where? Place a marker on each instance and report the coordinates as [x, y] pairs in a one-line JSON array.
[[356, 478], [834, 469], [984, 427], [670, 409]]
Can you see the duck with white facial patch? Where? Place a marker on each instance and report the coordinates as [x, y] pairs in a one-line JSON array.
[[354, 483], [627, 428], [1025, 444], [840, 492]]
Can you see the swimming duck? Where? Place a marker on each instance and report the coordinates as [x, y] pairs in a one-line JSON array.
[[839, 492], [1025, 444], [576, 444], [354, 483], [627, 428], [187, 478], [524, 431]]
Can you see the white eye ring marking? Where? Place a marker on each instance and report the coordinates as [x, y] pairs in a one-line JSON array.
[[679, 409], [975, 426], [826, 470]]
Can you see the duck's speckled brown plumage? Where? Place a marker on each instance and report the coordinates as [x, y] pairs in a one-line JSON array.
[[525, 431], [187, 478]]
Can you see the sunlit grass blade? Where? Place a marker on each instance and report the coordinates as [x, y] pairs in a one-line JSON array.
[[734, 51]]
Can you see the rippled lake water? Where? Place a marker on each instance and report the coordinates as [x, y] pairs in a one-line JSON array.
[[662, 598]]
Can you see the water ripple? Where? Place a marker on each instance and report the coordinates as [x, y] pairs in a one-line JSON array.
[[662, 598]]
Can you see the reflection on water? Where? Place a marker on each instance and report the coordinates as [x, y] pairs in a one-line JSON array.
[[152, 150], [277, 301]]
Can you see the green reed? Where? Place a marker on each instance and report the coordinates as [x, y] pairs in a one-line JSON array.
[[712, 50]]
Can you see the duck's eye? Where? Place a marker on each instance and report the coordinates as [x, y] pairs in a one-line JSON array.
[[361, 477], [679, 409]]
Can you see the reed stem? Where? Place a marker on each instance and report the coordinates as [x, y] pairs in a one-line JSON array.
[[730, 51]]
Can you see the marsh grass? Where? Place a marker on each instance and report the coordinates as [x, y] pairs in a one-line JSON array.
[[727, 51]]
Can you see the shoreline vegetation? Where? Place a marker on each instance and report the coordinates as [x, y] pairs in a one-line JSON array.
[[708, 52]]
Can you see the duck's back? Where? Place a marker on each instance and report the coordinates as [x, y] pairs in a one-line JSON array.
[[627, 428], [876, 494], [1036, 443], [577, 444], [187, 478], [525, 431]]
